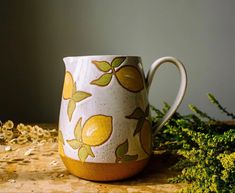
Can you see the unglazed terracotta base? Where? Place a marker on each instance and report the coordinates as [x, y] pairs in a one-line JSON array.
[[103, 171]]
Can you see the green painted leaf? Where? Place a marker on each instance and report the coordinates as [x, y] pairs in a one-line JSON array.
[[71, 108], [117, 61], [139, 126], [102, 65], [137, 114], [122, 149], [103, 80], [78, 130], [80, 95], [82, 153], [60, 137], [74, 143], [128, 158], [74, 87], [146, 113], [89, 150]]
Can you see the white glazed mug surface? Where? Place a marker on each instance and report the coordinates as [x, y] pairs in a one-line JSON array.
[[104, 114]]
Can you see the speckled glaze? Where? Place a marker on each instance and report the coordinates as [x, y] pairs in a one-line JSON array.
[[112, 100], [104, 114]]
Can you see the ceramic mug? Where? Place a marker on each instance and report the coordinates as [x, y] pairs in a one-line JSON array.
[[105, 128]]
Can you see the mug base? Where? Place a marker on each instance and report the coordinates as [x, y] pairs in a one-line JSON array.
[[103, 171]]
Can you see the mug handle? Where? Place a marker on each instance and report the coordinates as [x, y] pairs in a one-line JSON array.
[[181, 92]]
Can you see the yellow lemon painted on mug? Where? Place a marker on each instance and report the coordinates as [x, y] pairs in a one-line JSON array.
[[130, 78], [61, 148], [97, 130], [68, 86], [145, 137], [60, 143]]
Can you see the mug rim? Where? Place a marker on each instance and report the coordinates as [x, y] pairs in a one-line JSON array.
[[107, 56]]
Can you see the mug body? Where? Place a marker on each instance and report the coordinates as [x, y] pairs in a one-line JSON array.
[[104, 124]]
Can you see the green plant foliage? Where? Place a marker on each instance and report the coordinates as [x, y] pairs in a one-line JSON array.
[[205, 148]]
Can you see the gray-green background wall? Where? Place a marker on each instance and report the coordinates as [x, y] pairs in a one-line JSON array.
[[36, 34]]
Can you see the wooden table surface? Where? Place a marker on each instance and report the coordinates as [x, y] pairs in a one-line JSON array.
[[43, 171]]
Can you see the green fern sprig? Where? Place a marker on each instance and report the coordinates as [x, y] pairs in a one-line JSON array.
[[214, 101], [200, 113], [206, 149]]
